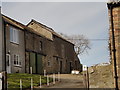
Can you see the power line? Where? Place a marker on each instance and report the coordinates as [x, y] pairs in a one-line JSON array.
[[98, 39], [91, 39]]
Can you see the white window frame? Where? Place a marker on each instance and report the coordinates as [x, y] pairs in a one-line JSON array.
[[14, 35], [16, 59]]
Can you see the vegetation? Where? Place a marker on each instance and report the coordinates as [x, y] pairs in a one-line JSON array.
[[101, 77], [14, 80], [82, 43]]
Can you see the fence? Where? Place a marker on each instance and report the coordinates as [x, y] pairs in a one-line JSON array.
[[55, 78]]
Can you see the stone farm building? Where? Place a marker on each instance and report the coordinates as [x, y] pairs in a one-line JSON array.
[[34, 45], [114, 13]]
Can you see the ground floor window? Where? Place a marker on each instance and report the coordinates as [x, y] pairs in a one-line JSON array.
[[17, 61]]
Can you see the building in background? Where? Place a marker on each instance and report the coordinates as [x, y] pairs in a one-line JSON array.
[[35, 46], [114, 13]]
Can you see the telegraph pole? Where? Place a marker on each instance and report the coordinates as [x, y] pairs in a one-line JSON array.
[[87, 78]]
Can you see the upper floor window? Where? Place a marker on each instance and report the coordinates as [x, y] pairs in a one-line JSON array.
[[49, 64], [40, 45], [14, 35]]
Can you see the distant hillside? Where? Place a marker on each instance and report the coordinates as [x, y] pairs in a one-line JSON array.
[[101, 77]]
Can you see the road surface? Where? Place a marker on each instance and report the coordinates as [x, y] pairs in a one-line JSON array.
[[68, 81]]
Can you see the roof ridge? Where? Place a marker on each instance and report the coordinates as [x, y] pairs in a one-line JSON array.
[[42, 25], [13, 20]]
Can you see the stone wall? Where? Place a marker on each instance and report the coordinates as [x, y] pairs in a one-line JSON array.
[[59, 52]]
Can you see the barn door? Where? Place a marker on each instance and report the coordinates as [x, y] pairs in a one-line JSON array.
[[60, 66], [33, 62], [70, 67], [39, 64]]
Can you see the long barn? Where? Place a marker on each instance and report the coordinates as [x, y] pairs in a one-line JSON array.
[[34, 46]]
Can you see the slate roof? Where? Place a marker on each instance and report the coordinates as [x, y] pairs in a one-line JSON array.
[[25, 27], [49, 29]]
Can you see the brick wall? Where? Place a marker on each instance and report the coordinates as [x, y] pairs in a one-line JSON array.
[[116, 23]]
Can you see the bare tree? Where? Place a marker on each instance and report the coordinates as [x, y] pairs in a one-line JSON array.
[[82, 44]]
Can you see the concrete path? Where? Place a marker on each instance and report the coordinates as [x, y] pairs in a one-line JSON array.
[[68, 81]]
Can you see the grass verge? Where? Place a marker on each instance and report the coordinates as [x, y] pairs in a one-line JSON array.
[[14, 80]]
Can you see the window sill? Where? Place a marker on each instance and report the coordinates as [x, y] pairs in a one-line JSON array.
[[18, 66], [49, 66], [14, 42]]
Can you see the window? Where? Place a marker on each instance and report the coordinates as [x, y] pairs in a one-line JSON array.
[[14, 35], [48, 63], [63, 50], [17, 61], [40, 45]]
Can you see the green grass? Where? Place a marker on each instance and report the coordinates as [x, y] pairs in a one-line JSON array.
[[14, 80]]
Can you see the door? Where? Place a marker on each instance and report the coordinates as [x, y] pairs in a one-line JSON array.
[[76, 65], [70, 67], [8, 63], [39, 64], [60, 66], [33, 62]]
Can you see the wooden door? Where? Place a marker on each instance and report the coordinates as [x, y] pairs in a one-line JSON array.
[[33, 62], [39, 64]]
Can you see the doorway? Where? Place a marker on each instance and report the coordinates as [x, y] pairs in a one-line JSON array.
[[70, 67], [8, 63], [39, 66], [60, 66], [33, 62]]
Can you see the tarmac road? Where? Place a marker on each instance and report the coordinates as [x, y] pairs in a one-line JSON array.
[[68, 81]]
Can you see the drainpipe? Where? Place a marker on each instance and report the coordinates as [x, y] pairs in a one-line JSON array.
[[5, 44], [114, 49]]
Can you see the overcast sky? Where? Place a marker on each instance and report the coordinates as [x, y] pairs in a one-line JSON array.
[[88, 18]]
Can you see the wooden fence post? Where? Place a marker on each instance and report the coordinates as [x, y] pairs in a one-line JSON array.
[[47, 80], [59, 76], [20, 84], [44, 73], [31, 70], [53, 78], [31, 84], [1, 81], [40, 82], [4, 80]]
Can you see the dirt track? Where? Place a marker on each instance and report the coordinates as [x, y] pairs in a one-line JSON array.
[[68, 81]]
